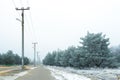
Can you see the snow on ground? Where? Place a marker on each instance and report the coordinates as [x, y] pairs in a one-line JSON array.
[[98, 74], [93, 74], [33, 67], [64, 75]]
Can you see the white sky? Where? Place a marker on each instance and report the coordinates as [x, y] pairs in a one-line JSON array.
[[57, 23]]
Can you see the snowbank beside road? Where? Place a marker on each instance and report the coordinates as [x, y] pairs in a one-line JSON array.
[[64, 75], [93, 74], [98, 74]]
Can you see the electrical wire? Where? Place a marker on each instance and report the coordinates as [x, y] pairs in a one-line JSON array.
[[28, 3], [15, 7], [31, 20], [29, 28], [14, 3], [32, 25], [21, 3]]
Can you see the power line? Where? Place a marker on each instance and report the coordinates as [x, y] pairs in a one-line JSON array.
[[14, 3], [28, 2], [21, 3], [31, 21], [32, 25], [29, 28], [15, 7]]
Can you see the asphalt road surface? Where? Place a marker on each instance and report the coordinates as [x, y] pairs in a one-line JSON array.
[[39, 73]]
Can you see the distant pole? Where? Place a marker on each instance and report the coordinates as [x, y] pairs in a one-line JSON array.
[[35, 53], [38, 58], [23, 33]]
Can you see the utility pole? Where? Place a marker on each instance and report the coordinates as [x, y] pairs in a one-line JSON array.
[[22, 9], [38, 58], [35, 53]]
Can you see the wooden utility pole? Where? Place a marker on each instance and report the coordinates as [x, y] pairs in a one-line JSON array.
[[35, 53], [22, 9]]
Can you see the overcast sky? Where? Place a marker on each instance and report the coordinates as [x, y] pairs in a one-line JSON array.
[[57, 23]]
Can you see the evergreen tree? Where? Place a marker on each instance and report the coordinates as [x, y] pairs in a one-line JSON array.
[[115, 54], [65, 58], [26, 61], [49, 59], [95, 47], [17, 59], [58, 57], [1, 59], [94, 52], [9, 58]]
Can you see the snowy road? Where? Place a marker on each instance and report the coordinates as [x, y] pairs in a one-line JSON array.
[[64, 75]]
